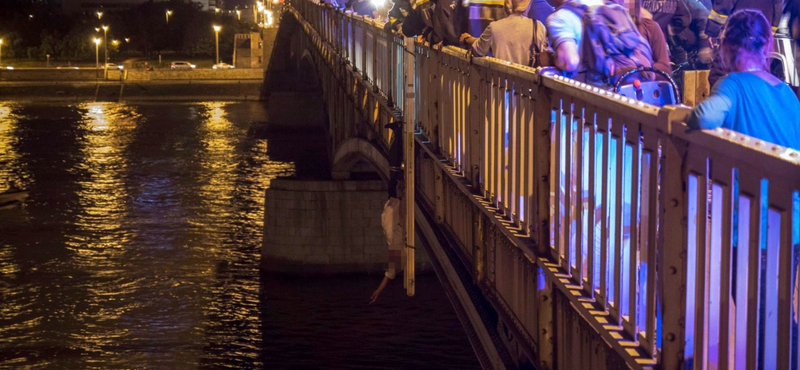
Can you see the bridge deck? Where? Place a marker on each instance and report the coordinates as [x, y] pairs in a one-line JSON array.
[[605, 234]]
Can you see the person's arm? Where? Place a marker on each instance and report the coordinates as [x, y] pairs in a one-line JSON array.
[[567, 57], [711, 113], [564, 40], [378, 291], [482, 45]]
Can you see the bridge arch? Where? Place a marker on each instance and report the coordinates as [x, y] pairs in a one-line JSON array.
[[307, 72], [357, 154]]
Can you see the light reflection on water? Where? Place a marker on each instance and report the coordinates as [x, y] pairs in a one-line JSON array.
[[139, 247]]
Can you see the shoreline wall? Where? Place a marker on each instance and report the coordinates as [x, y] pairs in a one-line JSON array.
[[70, 92]]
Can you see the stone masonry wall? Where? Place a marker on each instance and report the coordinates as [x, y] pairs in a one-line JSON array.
[[324, 227]]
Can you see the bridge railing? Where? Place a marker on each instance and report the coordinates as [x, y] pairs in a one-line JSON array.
[[678, 248]]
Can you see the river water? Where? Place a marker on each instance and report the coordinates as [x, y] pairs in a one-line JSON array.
[[139, 246]]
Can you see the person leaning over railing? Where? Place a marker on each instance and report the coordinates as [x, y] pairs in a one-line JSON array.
[[566, 33], [516, 38], [750, 100], [446, 28], [718, 16]]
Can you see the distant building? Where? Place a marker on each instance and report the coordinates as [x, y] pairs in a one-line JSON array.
[[78, 6], [248, 51]]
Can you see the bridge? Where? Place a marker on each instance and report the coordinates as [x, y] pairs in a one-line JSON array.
[[573, 228]]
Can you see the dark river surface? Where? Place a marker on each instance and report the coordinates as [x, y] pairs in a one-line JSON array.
[[139, 248]]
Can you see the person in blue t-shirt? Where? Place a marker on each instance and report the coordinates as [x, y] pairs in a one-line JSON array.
[[750, 100]]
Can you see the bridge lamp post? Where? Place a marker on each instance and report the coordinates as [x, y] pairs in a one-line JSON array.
[[238, 14], [99, 15], [216, 37], [169, 13]]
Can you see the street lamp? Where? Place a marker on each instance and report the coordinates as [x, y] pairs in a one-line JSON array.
[[105, 49], [216, 36], [169, 13], [99, 15], [238, 14], [96, 52], [1, 51]]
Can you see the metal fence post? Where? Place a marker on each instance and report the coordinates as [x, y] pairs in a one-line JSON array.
[[408, 142], [672, 248]]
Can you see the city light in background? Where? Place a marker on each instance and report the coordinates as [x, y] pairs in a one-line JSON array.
[[216, 37], [96, 52], [129, 33]]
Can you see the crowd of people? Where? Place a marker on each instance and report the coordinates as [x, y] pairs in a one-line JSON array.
[[597, 41]]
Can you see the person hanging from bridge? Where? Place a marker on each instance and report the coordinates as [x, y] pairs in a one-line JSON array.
[[393, 215]]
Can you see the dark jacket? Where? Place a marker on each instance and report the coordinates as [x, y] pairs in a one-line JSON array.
[[398, 13], [722, 9], [668, 12], [445, 27], [419, 20]]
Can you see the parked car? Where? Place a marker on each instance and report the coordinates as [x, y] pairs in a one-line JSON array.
[[181, 65], [113, 66], [222, 66]]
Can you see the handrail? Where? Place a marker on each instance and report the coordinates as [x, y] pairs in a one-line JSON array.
[[654, 234]]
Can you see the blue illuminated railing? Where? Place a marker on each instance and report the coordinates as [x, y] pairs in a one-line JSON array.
[[678, 248]]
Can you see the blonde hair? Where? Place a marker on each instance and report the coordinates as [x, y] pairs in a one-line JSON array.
[[517, 6]]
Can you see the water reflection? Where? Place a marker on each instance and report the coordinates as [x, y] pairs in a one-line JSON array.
[[139, 245]]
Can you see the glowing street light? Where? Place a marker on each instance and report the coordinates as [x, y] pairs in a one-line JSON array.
[[96, 52], [238, 14], [105, 49], [216, 36], [169, 13], [1, 51], [99, 15]]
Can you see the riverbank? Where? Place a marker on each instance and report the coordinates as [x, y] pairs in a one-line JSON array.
[[131, 91]]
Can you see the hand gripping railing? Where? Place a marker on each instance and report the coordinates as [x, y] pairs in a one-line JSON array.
[[679, 249]]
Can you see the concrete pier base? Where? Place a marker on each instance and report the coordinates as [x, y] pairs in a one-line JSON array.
[[326, 227]]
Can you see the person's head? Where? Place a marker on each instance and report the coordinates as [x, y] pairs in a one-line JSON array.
[[517, 6], [746, 41]]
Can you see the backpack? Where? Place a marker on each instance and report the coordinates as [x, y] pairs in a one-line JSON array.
[[612, 44]]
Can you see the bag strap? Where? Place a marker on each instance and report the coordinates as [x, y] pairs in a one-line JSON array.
[[534, 48]]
